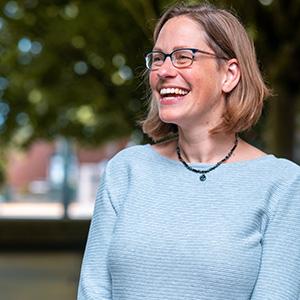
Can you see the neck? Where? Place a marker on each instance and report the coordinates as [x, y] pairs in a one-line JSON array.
[[204, 147]]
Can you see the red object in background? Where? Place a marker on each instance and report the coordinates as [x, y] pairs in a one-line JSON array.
[[32, 165], [25, 167]]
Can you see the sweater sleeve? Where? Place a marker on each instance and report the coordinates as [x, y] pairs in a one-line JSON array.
[[95, 281], [279, 276]]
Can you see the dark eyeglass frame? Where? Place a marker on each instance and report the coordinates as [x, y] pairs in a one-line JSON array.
[[171, 55]]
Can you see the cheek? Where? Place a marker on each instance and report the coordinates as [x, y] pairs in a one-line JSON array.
[[152, 80]]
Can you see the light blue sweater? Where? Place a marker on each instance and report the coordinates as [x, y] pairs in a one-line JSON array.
[[158, 233]]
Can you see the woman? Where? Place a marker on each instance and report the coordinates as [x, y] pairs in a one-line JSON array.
[[205, 215]]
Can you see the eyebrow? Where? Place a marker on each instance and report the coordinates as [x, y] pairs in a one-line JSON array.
[[175, 48]]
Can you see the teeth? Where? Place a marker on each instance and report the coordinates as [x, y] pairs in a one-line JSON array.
[[176, 91]]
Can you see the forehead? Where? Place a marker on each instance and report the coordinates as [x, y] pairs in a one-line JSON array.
[[181, 31]]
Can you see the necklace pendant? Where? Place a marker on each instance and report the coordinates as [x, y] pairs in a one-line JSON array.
[[203, 172], [202, 177]]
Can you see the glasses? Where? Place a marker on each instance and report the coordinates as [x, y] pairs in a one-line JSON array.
[[180, 58]]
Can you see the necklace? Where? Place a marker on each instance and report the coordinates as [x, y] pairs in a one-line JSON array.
[[203, 172]]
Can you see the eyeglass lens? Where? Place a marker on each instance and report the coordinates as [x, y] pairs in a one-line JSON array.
[[180, 58]]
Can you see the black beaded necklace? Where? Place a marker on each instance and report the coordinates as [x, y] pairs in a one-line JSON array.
[[203, 172]]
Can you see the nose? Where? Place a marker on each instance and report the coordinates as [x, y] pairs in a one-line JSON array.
[[166, 69]]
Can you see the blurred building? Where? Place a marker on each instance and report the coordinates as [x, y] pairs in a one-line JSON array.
[[32, 175]]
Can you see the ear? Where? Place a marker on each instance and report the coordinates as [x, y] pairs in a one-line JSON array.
[[232, 75]]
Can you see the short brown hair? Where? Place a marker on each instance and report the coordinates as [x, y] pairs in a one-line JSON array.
[[227, 38]]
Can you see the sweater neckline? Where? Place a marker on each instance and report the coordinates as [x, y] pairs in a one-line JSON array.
[[165, 159]]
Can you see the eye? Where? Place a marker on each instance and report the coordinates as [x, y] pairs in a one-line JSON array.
[[157, 57], [183, 57]]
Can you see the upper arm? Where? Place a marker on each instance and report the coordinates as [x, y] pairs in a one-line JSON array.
[[279, 275], [95, 281]]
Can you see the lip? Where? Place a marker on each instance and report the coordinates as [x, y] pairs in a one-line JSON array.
[[170, 100]]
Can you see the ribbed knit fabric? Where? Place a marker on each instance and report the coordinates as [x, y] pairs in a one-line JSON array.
[[159, 233]]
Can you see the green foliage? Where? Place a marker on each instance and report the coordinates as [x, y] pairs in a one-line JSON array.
[[73, 69], [2, 167]]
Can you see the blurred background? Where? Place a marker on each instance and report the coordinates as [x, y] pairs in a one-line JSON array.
[[71, 93]]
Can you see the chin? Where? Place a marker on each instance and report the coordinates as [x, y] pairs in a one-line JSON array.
[[169, 116]]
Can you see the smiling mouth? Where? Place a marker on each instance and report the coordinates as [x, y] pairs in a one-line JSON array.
[[173, 92]]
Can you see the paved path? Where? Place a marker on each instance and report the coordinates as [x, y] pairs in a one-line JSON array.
[[39, 275]]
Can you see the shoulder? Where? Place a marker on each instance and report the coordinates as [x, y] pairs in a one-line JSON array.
[[166, 149], [278, 171], [268, 164], [120, 172], [285, 178], [128, 157], [130, 153], [288, 170], [287, 167]]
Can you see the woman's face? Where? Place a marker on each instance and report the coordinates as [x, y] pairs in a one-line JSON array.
[[194, 94]]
